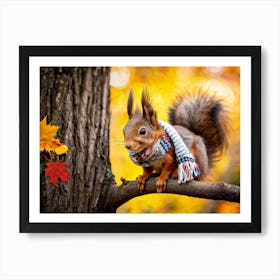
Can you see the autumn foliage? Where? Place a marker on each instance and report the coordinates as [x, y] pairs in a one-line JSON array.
[[48, 143], [56, 170]]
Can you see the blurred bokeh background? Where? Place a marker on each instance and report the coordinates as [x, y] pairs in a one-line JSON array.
[[164, 84]]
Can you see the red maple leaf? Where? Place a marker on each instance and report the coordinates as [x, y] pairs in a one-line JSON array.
[[56, 170]]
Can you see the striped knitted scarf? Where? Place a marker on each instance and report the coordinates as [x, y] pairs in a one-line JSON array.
[[187, 167]]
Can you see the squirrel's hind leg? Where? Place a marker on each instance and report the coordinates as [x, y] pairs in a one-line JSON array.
[[174, 174]]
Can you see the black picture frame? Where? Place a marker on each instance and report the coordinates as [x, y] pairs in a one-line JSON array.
[[254, 52]]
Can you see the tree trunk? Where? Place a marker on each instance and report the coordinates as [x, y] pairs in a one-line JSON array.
[[78, 100]]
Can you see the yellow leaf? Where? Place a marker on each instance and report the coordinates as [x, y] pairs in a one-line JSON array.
[[63, 149], [47, 131], [47, 141]]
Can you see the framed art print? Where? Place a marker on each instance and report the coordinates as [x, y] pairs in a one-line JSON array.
[[140, 138]]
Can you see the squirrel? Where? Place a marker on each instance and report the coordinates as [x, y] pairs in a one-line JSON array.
[[186, 147]]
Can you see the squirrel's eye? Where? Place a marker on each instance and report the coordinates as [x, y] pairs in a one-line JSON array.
[[142, 131]]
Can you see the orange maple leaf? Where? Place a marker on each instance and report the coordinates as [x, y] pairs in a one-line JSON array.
[[56, 170], [47, 141]]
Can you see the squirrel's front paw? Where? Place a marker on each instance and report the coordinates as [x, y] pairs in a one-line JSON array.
[[161, 185], [141, 183]]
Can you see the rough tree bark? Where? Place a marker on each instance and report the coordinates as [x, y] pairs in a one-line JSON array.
[[78, 100]]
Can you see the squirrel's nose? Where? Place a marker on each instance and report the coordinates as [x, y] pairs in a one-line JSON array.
[[128, 146]]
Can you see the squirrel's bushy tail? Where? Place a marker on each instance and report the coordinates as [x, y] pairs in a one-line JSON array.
[[204, 115]]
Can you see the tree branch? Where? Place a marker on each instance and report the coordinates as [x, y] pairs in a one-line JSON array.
[[217, 191]]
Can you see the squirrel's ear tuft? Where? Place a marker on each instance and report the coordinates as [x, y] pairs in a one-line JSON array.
[[148, 112], [130, 104]]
